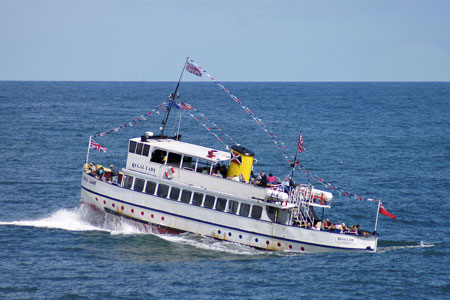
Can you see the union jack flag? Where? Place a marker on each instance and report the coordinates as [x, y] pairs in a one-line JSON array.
[[97, 146], [300, 147], [193, 69], [186, 106]]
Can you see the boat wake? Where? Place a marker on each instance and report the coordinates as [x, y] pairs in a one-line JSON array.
[[85, 219], [78, 219]]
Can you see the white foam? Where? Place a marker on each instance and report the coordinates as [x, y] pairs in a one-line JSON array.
[[206, 243], [78, 219], [70, 220]]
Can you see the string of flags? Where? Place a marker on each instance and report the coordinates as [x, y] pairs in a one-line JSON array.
[[157, 111], [197, 70], [190, 110]]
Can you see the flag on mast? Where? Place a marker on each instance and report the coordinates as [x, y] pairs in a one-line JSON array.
[[383, 211], [300, 147], [94, 145], [193, 69]]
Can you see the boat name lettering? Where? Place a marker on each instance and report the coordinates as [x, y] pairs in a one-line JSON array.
[[89, 180], [345, 240], [143, 167]]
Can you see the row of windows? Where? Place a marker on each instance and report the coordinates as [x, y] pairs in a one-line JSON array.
[[194, 198], [171, 159]]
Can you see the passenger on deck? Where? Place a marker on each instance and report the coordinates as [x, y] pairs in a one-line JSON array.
[[100, 173], [252, 177], [92, 170], [326, 224], [114, 174], [242, 178], [286, 184], [217, 173], [271, 179], [318, 225], [263, 181], [235, 178]]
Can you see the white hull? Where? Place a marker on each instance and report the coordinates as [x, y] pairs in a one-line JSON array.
[[176, 216]]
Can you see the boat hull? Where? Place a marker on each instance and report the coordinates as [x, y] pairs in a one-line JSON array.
[[167, 216]]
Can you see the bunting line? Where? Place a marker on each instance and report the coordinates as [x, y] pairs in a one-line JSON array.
[[187, 108], [274, 137], [157, 110]]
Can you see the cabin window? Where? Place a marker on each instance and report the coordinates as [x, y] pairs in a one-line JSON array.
[[256, 212], [139, 184], [188, 163], [132, 148], [158, 156], [244, 210], [174, 159], [128, 182], [139, 148], [277, 215], [197, 199], [174, 193], [203, 166], [163, 190], [221, 204], [209, 201], [146, 150], [150, 188], [232, 206], [186, 196]]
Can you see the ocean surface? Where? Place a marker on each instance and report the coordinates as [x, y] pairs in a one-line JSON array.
[[387, 141]]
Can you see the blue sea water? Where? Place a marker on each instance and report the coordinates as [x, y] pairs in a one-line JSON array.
[[388, 141]]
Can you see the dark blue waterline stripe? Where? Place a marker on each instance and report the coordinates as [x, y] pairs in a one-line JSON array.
[[223, 226]]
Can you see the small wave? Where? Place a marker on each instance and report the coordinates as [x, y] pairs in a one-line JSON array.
[[405, 246]]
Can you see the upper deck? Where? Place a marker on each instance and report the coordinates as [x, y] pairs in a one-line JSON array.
[[185, 149]]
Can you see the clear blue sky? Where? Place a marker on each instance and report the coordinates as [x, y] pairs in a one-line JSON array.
[[235, 40]]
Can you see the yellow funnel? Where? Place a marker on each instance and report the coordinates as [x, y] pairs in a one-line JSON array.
[[241, 162]]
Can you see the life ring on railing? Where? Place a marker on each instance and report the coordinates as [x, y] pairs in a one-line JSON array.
[[169, 173]]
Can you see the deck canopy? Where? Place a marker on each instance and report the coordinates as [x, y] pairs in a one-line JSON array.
[[187, 149]]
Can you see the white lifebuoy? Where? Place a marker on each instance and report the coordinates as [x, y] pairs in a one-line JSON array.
[[169, 173]]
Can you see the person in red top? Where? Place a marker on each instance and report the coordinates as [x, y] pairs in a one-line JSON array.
[[271, 179]]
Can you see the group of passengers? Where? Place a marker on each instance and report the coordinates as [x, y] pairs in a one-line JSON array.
[[261, 179], [110, 175], [327, 225]]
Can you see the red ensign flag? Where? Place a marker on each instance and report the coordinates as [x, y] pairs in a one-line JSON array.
[[385, 212]]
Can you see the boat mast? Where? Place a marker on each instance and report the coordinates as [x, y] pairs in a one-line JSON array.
[[378, 213], [172, 97], [294, 165]]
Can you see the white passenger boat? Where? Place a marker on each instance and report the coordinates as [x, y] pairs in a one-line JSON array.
[[172, 186]]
